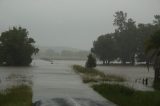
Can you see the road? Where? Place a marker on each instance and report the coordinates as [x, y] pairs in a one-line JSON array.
[[58, 85]]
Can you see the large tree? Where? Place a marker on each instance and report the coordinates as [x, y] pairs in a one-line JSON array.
[[127, 42], [126, 37], [16, 48], [152, 48], [104, 48], [144, 32]]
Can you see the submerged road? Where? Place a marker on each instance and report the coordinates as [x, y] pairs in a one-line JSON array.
[[57, 85]]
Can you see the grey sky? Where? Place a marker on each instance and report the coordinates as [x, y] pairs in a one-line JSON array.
[[71, 23]]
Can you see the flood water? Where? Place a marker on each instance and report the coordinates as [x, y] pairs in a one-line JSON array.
[[133, 74], [57, 85], [53, 84]]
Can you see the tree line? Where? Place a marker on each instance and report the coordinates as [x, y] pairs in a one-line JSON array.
[[126, 43]]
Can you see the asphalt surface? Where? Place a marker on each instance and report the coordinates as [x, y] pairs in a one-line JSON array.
[[58, 85]]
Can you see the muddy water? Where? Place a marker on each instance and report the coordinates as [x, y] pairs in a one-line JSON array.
[[13, 76], [52, 84], [133, 74], [57, 85]]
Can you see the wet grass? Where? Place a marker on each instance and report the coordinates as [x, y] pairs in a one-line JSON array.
[[156, 85], [94, 75], [124, 96], [16, 96]]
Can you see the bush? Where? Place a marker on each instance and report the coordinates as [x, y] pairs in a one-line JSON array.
[[91, 62], [93, 75]]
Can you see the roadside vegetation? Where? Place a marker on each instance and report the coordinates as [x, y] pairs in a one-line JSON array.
[[124, 96], [16, 96], [93, 75]]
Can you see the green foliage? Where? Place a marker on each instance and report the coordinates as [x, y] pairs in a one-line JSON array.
[[93, 75], [152, 48], [105, 48], [126, 38], [124, 96], [16, 96], [127, 42], [120, 20], [156, 85], [91, 62], [144, 31], [157, 20], [88, 71], [153, 42], [16, 48]]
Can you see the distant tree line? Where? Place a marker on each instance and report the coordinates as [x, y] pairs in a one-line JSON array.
[[63, 54], [126, 44]]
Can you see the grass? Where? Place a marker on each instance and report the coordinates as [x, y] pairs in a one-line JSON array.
[[16, 96], [156, 85], [94, 75], [124, 96]]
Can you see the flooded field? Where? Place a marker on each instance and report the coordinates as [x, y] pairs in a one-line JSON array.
[[12, 76], [133, 74], [52, 83]]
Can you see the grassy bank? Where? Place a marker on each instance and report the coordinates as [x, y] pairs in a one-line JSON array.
[[124, 96], [16, 96], [93, 75]]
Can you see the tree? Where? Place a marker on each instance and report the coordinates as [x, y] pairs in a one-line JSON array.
[[16, 48], [126, 36], [152, 48], [120, 20], [144, 31], [91, 62], [104, 48], [157, 20], [127, 42]]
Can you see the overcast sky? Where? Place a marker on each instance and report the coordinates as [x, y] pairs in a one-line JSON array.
[[71, 23]]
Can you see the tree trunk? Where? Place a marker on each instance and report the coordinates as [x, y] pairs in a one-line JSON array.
[[133, 61], [103, 62], [108, 62], [123, 61]]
